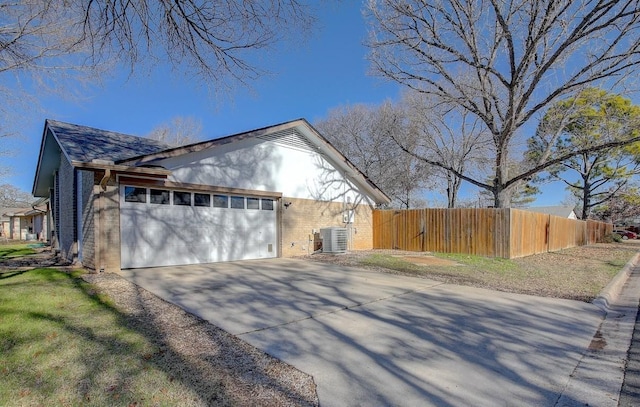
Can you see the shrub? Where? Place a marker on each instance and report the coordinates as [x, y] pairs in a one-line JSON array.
[[613, 237]]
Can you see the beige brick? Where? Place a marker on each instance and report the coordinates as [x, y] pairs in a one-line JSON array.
[[304, 216], [88, 221], [110, 228]]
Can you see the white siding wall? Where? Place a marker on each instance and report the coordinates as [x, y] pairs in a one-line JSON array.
[[266, 166]]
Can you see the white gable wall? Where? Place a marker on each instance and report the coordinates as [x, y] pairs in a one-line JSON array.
[[256, 164]]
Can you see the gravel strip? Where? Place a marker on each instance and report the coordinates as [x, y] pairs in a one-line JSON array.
[[209, 355]]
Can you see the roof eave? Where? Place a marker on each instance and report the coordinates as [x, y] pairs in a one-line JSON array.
[[40, 155], [45, 145]]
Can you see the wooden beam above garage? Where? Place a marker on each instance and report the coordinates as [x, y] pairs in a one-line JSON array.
[[142, 182], [122, 169]]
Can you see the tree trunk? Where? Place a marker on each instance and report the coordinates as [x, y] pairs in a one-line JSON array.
[[586, 200], [407, 198], [501, 195], [453, 186]]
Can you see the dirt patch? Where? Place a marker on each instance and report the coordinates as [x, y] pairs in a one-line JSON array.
[[43, 257], [578, 273], [429, 261], [598, 342]]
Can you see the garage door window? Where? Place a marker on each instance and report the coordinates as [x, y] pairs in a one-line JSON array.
[[159, 196], [182, 198], [132, 194], [202, 200], [237, 202], [220, 201], [253, 203], [267, 204]]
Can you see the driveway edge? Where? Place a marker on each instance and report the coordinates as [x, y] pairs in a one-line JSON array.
[[611, 292], [598, 377]]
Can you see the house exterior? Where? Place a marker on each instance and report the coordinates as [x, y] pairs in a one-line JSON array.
[[561, 211], [24, 223], [119, 201]]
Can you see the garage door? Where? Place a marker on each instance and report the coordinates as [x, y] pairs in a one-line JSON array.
[[161, 227]]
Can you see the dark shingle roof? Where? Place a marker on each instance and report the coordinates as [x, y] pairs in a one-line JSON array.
[[562, 211], [85, 144]]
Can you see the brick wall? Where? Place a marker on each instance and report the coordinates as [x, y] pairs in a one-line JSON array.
[[66, 221], [108, 212], [42, 227], [88, 221], [15, 228], [99, 217], [304, 216]]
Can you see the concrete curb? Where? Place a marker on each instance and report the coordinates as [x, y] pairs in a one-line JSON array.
[[599, 375], [610, 293]]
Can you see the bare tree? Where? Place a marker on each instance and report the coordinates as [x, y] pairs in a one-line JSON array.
[[405, 177], [6, 150], [35, 33], [11, 196], [55, 45], [622, 208], [366, 135], [504, 61], [179, 131], [215, 39], [446, 134]]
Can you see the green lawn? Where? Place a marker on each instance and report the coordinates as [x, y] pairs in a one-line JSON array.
[[61, 344], [470, 263], [15, 250]]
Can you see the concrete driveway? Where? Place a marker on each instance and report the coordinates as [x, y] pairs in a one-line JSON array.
[[377, 339]]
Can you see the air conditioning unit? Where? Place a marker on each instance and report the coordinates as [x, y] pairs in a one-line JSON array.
[[334, 240]]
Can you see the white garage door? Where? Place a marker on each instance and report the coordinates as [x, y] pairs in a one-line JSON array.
[[160, 227]]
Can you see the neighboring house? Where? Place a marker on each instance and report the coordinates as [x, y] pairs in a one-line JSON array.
[[120, 201], [5, 222], [24, 223], [561, 211]]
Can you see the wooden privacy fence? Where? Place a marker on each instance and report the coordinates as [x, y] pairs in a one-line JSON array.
[[507, 233]]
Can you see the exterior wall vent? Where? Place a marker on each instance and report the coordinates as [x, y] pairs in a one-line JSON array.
[[334, 240], [290, 138]]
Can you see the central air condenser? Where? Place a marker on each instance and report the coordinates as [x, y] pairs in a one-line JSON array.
[[334, 240]]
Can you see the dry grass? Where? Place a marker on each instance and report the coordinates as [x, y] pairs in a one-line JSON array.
[[579, 273]]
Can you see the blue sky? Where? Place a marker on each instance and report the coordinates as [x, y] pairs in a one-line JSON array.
[[327, 71]]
